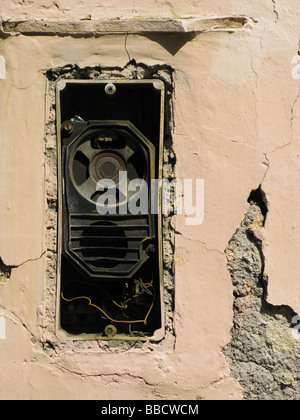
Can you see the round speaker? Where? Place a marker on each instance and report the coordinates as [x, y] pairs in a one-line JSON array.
[[102, 156]]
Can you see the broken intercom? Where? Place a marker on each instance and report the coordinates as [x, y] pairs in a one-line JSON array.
[[110, 142]]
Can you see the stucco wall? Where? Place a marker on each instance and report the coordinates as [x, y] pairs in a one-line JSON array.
[[236, 125]]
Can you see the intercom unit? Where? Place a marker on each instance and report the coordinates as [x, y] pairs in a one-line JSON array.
[[110, 144]]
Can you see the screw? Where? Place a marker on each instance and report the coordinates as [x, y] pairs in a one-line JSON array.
[[151, 249], [110, 330], [68, 126], [110, 88]]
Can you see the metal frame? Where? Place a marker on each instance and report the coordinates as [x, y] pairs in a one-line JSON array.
[[60, 333]]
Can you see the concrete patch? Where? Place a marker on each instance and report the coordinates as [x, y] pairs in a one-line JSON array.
[[263, 355]]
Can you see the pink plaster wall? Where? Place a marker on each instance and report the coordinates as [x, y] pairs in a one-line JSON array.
[[237, 114]]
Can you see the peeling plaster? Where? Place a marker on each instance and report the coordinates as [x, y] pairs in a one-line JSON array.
[[263, 354]]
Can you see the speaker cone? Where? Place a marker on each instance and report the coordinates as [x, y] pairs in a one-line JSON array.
[[92, 162]]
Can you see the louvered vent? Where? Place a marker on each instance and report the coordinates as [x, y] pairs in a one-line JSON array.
[[108, 248]]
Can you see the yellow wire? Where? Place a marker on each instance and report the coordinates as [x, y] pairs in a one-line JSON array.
[[148, 284], [104, 313], [120, 306]]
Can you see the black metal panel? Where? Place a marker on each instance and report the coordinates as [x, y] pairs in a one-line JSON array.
[[86, 232], [110, 272]]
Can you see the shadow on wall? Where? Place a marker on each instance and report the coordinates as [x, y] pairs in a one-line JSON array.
[[172, 42]]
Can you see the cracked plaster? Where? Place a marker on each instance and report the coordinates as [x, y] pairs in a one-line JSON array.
[[263, 354]]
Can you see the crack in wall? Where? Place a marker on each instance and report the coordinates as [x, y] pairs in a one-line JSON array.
[[5, 276], [109, 378], [16, 319], [292, 117], [263, 355], [6, 270], [29, 259], [275, 11], [292, 113], [125, 46]]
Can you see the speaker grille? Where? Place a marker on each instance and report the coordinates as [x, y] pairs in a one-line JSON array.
[[108, 247]]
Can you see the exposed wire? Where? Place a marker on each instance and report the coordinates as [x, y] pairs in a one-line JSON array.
[[136, 333], [122, 306], [119, 306], [105, 314], [144, 286]]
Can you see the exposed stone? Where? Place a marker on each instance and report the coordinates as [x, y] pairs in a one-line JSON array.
[[263, 354], [5, 272]]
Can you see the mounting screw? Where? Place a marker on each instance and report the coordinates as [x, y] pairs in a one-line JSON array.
[[110, 330], [151, 249], [110, 88], [68, 126]]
